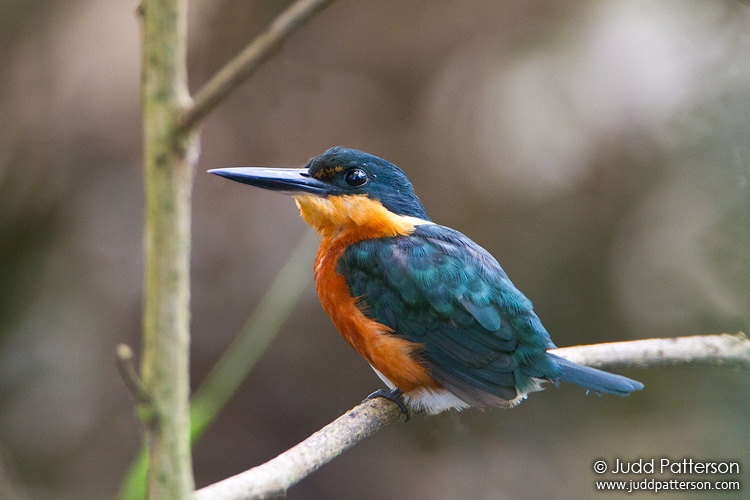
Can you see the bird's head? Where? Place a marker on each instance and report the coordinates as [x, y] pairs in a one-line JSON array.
[[340, 185]]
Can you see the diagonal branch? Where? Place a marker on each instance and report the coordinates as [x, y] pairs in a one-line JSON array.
[[246, 62], [276, 476]]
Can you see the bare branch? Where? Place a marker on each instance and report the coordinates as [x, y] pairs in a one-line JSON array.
[[276, 476], [246, 62], [731, 350]]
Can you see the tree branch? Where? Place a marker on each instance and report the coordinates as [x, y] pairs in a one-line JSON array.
[[276, 476], [170, 149], [246, 62], [168, 178], [726, 349]]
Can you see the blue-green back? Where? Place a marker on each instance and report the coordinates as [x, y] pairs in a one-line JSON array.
[[480, 337]]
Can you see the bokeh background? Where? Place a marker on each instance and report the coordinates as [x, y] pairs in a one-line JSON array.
[[599, 149]]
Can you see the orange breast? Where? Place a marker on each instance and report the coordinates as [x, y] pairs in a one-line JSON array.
[[342, 221], [394, 357]]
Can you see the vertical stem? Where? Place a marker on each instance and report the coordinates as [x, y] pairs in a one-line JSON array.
[[168, 184]]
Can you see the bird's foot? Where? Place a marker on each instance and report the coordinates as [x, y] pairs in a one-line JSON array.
[[395, 395]]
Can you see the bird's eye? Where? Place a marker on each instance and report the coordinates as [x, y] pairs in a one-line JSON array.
[[355, 177]]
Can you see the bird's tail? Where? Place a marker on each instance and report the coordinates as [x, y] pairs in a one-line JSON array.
[[596, 380]]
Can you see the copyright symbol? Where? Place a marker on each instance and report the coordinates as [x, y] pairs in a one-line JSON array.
[[600, 466]]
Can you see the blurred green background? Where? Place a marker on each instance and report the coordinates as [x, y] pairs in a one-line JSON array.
[[599, 149]]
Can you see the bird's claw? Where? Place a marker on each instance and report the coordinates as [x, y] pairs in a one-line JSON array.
[[395, 395]]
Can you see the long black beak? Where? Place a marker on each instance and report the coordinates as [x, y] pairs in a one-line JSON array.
[[284, 180]]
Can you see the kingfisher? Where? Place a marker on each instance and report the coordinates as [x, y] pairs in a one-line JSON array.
[[432, 312]]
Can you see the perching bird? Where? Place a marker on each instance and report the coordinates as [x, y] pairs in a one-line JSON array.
[[431, 311]]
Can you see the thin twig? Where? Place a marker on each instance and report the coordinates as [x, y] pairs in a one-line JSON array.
[[276, 476], [247, 61], [124, 357]]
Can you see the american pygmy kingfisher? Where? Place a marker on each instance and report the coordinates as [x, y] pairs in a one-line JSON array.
[[432, 312]]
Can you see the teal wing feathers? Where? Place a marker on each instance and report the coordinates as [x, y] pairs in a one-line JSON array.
[[480, 336]]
